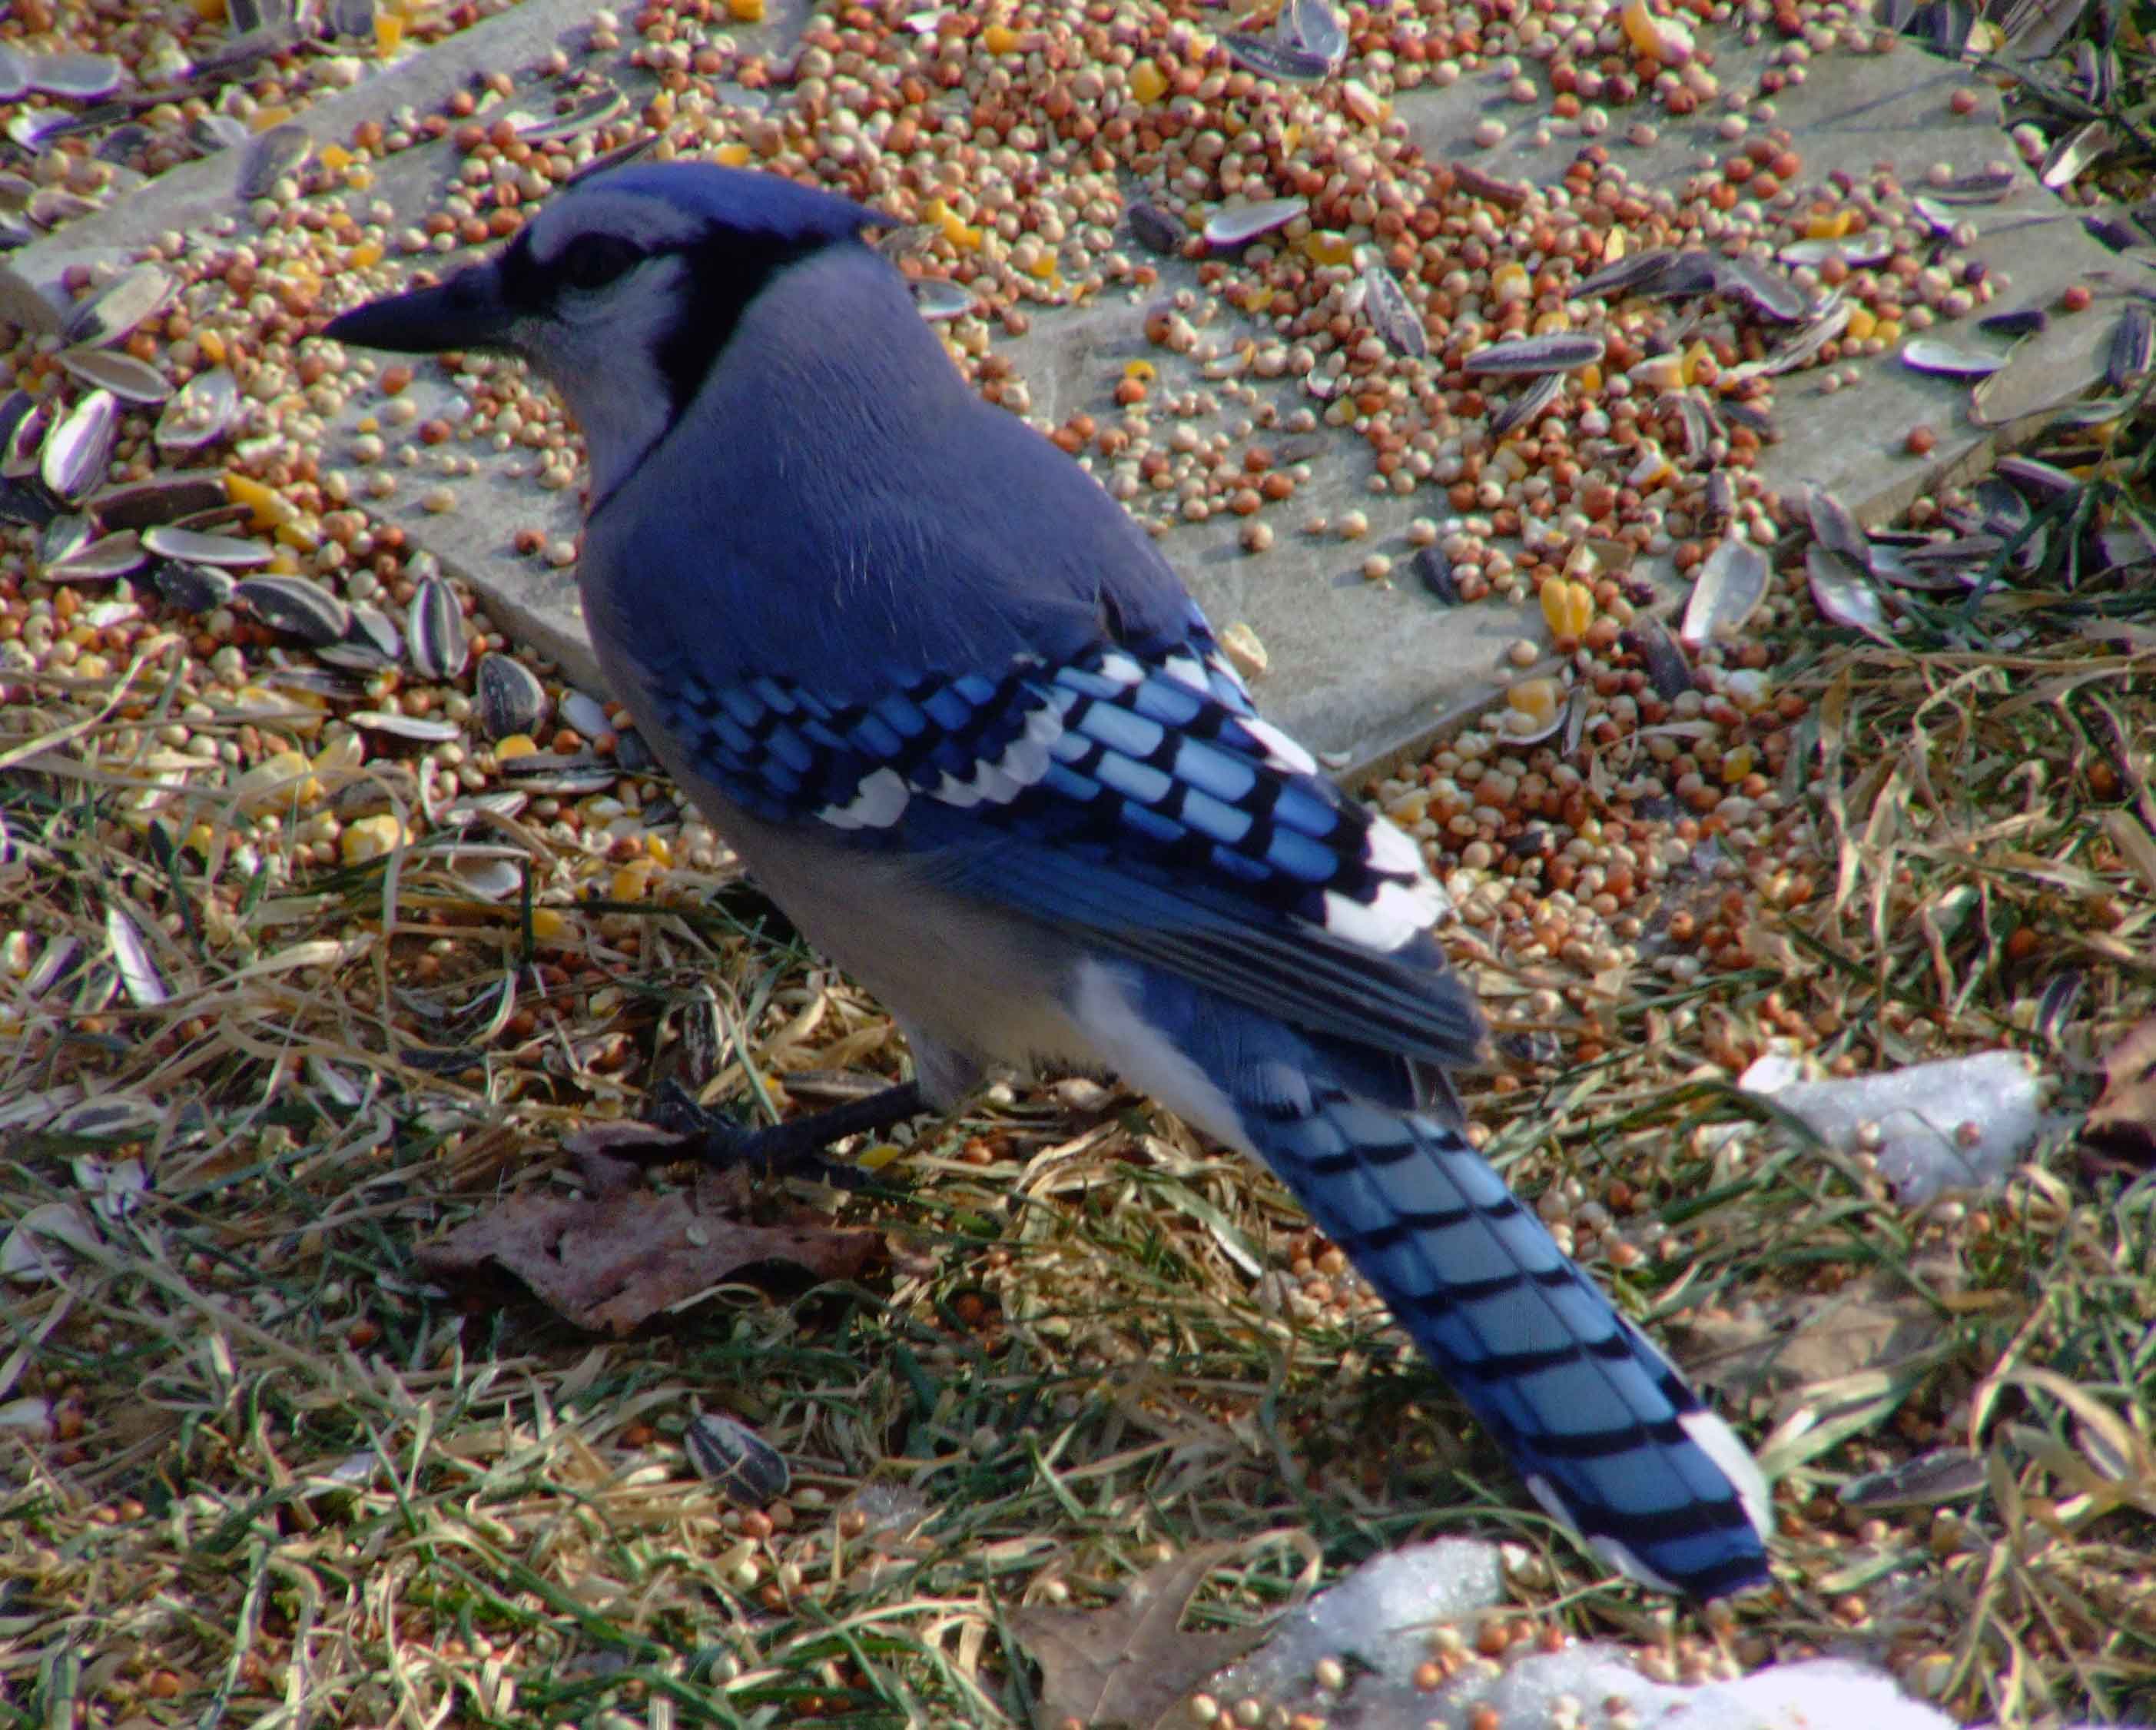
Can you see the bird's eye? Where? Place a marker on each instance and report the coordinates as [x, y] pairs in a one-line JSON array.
[[594, 261]]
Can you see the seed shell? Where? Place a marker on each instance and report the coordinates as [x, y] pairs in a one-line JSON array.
[[108, 556], [509, 697], [1392, 315], [1270, 58], [1154, 228], [1238, 224], [2131, 340], [735, 1460], [1530, 402], [297, 606], [1841, 594], [120, 305], [1562, 352], [77, 448], [937, 298], [192, 588], [435, 630], [200, 411], [270, 156], [1730, 586], [1943, 359], [230, 552]]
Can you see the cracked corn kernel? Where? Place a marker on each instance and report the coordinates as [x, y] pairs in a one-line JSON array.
[[1535, 698], [366, 838]]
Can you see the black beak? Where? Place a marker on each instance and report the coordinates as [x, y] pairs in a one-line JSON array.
[[466, 311]]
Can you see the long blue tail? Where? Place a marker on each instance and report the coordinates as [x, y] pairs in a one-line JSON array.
[[1605, 1431]]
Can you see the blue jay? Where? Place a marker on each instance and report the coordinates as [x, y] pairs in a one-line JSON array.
[[962, 720]]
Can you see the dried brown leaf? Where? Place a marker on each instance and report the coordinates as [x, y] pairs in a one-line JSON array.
[[2123, 1122], [611, 1263], [1131, 1663]]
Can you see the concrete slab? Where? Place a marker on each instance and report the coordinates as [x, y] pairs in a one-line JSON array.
[[1363, 670]]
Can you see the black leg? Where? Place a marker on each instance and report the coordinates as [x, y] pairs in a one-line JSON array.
[[795, 1146]]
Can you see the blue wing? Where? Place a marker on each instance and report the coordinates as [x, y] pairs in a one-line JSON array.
[[1130, 793]]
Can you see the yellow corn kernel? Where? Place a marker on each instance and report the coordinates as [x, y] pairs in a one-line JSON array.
[[210, 12], [1043, 267], [199, 840], [212, 345], [342, 754], [1829, 225], [388, 32], [1148, 83], [1567, 607], [336, 157], [1590, 380], [875, 1158], [548, 925], [365, 255], [1889, 330], [272, 113], [736, 155], [1144, 371], [1863, 323], [629, 882], [366, 838], [1661, 372], [1535, 698], [1614, 246], [268, 506], [745, 12], [1551, 323], [284, 562], [660, 849], [1737, 764], [1696, 357], [999, 39], [1321, 247], [1651, 470], [1257, 300], [278, 781], [516, 744], [1510, 282]]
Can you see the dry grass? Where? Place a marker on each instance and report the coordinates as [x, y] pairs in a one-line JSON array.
[[253, 1468]]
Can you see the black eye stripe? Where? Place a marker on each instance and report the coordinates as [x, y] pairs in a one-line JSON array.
[[592, 261]]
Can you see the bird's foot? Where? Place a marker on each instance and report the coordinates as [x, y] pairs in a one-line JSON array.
[[793, 1149]]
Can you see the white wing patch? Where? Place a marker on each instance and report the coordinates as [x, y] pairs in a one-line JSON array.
[[877, 803], [1190, 669], [1024, 761], [1280, 751], [1397, 915]]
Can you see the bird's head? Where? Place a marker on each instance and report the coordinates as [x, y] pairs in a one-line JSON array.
[[622, 291]]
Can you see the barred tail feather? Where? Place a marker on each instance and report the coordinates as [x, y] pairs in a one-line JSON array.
[[1601, 1426], [1605, 1431]]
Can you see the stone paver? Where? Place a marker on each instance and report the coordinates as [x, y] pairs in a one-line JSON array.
[[1364, 671]]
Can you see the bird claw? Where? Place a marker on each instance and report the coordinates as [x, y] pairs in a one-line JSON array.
[[791, 1149]]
